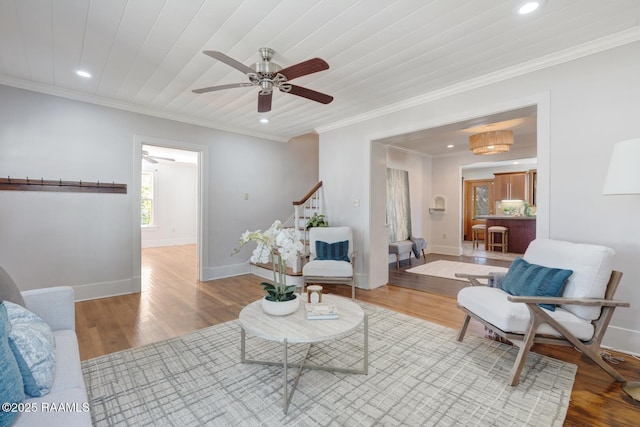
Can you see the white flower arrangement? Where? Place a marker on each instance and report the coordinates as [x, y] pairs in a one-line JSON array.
[[277, 245]]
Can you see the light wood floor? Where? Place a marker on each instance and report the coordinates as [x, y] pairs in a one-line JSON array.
[[173, 303]]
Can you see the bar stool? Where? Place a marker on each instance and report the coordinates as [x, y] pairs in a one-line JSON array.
[[504, 237], [475, 232]]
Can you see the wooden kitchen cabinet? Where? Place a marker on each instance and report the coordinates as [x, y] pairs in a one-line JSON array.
[[510, 186]]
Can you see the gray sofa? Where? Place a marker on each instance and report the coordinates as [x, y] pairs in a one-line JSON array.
[[66, 403]]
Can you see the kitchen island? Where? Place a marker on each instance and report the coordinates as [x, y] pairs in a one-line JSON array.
[[522, 230]]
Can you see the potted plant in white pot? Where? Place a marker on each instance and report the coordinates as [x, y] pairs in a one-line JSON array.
[[277, 245]]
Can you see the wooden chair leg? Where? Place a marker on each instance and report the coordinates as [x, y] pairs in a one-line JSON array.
[[424, 257], [397, 261], [463, 328], [590, 350], [525, 345]]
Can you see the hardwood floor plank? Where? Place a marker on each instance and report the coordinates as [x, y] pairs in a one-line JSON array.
[[173, 302]]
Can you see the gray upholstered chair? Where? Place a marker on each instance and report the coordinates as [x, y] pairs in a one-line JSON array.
[[331, 258]]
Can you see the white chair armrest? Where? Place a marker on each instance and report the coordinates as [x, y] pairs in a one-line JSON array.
[[54, 305]]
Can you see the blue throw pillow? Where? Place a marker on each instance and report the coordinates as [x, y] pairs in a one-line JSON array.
[[338, 251], [524, 279], [11, 387], [33, 346]]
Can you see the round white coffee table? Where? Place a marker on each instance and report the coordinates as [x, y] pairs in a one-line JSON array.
[[295, 328]]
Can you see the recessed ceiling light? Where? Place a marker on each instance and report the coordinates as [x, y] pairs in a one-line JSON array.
[[264, 120], [84, 74], [450, 146], [529, 6]]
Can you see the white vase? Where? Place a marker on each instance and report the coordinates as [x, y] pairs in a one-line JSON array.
[[280, 308]]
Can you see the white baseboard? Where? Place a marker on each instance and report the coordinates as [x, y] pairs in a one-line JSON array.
[[623, 340], [156, 243], [446, 250], [212, 273], [107, 289]]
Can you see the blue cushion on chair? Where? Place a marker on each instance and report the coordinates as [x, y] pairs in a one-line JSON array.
[[11, 387], [338, 251], [524, 279]]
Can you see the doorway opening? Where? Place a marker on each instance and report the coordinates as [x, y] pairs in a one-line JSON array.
[[478, 196], [169, 209]]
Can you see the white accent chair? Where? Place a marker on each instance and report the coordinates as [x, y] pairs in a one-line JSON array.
[[330, 271], [581, 315]]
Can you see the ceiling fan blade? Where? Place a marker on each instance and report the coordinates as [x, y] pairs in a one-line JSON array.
[[221, 87], [310, 94], [229, 61], [303, 68], [264, 102], [149, 159]]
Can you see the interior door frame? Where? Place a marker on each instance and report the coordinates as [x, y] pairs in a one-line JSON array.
[[202, 214]]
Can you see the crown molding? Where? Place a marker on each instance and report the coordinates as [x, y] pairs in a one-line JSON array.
[[126, 106], [589, 48]]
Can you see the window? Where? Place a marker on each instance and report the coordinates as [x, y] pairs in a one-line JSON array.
[[147, 207], [481, 200]]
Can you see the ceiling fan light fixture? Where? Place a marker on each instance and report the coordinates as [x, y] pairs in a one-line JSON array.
[[491, 142]]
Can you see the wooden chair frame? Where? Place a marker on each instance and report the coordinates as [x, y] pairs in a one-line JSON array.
[[539, 316]]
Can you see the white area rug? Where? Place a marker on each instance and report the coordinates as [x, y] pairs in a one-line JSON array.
[[448, 269], [418, 375]]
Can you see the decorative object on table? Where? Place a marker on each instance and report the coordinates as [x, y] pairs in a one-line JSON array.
[[321, 311], [314, 294], [317, 220], [277, 245]]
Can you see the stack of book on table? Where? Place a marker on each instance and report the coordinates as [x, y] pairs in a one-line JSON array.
[[321, 311]]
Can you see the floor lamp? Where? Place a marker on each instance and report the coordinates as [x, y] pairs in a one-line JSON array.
[[623, 177]]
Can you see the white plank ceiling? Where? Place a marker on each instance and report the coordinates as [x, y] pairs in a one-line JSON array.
[[146, 55]]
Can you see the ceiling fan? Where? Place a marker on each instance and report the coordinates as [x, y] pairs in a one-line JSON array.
[[268, 75], [154, 159]]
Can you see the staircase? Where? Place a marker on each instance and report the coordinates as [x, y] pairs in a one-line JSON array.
[[303, 210]]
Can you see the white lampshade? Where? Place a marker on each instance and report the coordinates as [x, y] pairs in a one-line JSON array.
[[623, 175]]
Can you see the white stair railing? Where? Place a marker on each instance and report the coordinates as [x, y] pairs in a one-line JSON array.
[[303, 210]]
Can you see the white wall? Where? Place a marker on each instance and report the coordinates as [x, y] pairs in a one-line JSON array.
[[176, 188], [587, 106], [92, 241]]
